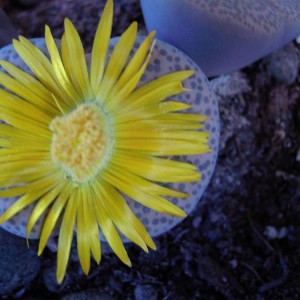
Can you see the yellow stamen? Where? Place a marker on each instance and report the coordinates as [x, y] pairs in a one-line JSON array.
[[80, 141]]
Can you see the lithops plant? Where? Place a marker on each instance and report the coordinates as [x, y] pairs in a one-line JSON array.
[[165, 59], [118, 144], [225, 35]]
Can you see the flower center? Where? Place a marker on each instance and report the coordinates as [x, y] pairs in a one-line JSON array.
[[80, 142]]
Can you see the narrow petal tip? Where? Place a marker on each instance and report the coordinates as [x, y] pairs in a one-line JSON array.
[[180, 213], [128, 263], [60, 278], [152, 33], [151, 244]]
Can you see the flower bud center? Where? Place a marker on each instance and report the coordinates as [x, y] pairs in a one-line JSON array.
[[79, 141]]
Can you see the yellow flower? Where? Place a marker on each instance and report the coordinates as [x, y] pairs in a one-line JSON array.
[[78, 137]]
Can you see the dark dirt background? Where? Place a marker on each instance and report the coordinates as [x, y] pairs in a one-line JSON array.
[[243, 240]]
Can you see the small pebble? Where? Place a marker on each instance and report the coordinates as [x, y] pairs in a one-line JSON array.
[[284, 64], [282, 232], [50, 279], [197, 222], [273, 233], [298, 156], [145, 292], [230, 85], [18, 265], [234, 263]]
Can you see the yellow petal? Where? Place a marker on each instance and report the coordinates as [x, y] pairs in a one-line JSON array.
[[27, 87], [77, 61], [16, 166], [156, 169], [152, 124], [69, 65], [100, 46], [154, 96], [163, 147], [29, 143], [135, 64], [179, 135], [59, 69], [24, 176], [42, 68], [184, 117], [11, 190], [53, 215], [41, 206], [154, 202], [66, 236], [123, 217], [141, 183], [7, 155], [129, 232], [23, 122], [82, 238], [157, 84], [118, 94], [108, 228], [117, 62], [26, 200], [91, 223], [150, 111], [12, 133], [23, 108]]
